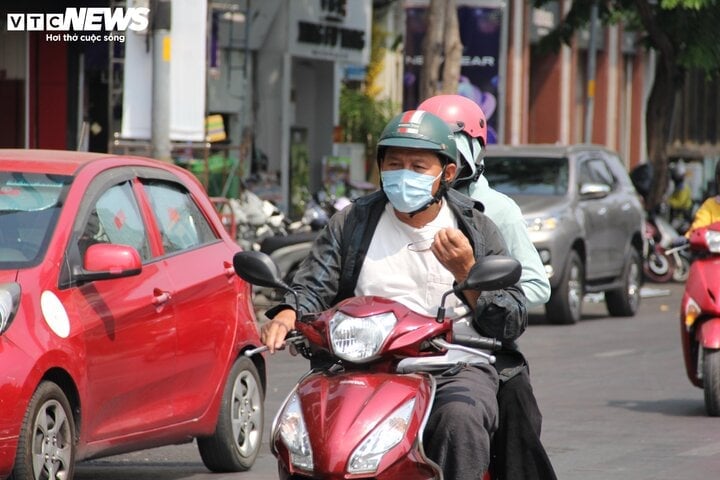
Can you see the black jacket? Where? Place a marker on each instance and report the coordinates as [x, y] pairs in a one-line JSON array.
[[330, 272]]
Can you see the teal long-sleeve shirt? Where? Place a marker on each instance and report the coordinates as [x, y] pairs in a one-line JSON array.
[[506, 214]]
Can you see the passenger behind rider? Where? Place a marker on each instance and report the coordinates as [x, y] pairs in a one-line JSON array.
[[516, 448], [364, 250], [709, 211]]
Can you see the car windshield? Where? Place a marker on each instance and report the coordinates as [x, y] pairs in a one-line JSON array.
[[29, 207], [527, 175]]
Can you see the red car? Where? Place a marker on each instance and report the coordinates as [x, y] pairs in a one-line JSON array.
[[122, 322]]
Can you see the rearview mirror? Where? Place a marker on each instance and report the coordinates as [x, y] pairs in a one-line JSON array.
[[492, 272], [259, 269]]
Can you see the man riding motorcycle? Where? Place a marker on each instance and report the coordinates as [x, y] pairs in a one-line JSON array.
[[367, 249]]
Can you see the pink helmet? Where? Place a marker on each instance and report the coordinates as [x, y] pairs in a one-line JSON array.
[[456, 109]]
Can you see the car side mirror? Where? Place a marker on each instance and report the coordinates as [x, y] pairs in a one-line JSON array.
[[105, 261], [594, 190]]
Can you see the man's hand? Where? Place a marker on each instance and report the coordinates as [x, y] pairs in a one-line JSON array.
[[273, 333], [454, 252]]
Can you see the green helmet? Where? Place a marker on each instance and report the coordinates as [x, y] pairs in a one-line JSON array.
[[418, 129]]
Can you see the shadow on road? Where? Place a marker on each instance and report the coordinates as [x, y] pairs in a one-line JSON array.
[[674, 407]]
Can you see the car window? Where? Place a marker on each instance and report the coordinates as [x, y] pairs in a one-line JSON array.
[[115, 218], [596, 171], [527, 175], [30, 204], [182, 225]]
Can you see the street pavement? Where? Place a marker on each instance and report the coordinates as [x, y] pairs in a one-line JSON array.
[[615, 399]]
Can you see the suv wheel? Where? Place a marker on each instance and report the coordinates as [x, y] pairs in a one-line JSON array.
[[565, 305], [624, 301]]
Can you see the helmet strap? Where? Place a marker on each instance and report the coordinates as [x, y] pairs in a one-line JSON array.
[[438, 195]]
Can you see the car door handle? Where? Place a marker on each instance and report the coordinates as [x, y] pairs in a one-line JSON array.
[[229, 270], [160, 297]]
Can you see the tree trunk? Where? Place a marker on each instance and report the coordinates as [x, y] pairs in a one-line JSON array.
[[453, 50], [658, 122], [432, 50]]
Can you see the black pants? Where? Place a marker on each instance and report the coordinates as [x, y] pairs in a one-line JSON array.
[[517, 453], [463, 417]]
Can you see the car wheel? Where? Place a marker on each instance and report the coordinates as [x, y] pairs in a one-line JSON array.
[[625, 301], [565, 304], [46, 445], [711, 381], [238, 434]]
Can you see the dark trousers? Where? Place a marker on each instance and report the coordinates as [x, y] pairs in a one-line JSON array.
[[463, 417], [517, 453]]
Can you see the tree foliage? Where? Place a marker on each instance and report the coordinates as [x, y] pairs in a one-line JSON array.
[[683, 33]]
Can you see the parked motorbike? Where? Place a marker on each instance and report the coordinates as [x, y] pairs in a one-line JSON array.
[[667, 255], [657, 266], [700, 316], [360, 412]]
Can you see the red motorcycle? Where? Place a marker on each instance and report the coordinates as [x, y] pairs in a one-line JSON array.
[[361, 410], [700, 316]]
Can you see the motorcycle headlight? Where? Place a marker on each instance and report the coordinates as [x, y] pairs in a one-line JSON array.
[[359, 339], [9, 301], [692, 311], [713, 241], [367, 456], [538, 224], [294, 434]]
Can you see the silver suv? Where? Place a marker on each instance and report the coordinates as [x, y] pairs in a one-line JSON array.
[[584, 217]]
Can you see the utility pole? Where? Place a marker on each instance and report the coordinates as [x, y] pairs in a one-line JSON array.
[[592, 57], [161, 81]]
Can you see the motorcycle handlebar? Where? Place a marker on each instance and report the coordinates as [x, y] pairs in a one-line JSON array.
[[484, 343], [293, 337]]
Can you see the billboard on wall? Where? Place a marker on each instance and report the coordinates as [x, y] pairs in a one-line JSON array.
[[480, 33]]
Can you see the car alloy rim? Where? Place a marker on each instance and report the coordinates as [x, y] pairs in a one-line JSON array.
[[574, 290], [51, 442], [246, 413]]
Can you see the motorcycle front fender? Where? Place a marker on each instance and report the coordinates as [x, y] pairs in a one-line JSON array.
[[341, 410], [709, 333]]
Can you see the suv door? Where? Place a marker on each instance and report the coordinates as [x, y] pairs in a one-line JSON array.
[[625, 213], [596, 209]]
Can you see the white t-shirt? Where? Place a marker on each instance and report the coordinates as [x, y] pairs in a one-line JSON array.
[[394, 269]]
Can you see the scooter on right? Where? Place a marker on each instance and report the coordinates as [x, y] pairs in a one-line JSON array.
[[700, 316]]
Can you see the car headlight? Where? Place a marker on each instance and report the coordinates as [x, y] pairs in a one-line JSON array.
[[713, 241], [537, 224], [294, 434], [367, 456], [359, 339], [691, 313], [9, 301]]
